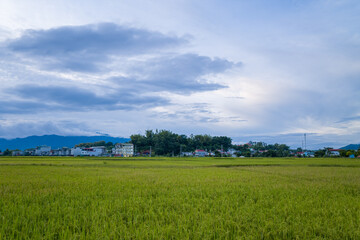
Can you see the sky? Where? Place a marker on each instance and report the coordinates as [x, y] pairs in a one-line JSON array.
[[252, 70]]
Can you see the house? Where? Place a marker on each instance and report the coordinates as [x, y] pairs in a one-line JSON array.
[[18, 153], [55, 152], [146, 153], [42, 151], [124, 150], [187, 154], [30, 152], [91, 151], [200, 153], [309, 154], [64, 151], [76, 151], [334, 152], [231, 152]]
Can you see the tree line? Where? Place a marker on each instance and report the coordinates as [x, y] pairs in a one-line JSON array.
[[167, 143], [261, 149]]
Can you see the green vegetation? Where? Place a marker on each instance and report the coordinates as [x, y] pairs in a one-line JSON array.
[[165, 142], [263, 150], [108, 145], [179, 198]]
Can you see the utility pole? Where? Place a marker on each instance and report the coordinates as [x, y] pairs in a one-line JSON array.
[[302, 145], [305, 140], [150, 151], [222, 150], [180, 151]]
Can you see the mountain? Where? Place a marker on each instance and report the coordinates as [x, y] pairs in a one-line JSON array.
[[351, 147], [54, 141]]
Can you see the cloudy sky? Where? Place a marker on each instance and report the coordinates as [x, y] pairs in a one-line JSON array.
[[251, 70]]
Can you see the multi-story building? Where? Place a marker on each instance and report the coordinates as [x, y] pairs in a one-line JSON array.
[[124, 150], [91, 151], [42, 151]]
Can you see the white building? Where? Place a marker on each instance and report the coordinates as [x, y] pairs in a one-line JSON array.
[[201, 153], [91, 151], [64, 151], [124, 150], [334, 152], [42, 151], [187, 154]]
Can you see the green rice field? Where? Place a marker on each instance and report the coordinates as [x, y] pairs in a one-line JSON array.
[[179, 198]]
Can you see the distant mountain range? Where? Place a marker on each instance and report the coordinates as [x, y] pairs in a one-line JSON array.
[[54, 141], [351, 147]]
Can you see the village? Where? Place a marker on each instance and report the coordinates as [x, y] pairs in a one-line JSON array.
[[129, 150]]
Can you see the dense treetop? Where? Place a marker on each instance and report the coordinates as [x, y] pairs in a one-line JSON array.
[[164, 142]]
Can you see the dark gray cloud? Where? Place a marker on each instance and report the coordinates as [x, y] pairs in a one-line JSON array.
[[183, 74], [22, 106], [86, 48], [91, 49], [37, 98]]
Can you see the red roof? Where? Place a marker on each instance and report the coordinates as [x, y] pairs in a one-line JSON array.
[[199, 150], [335, 150]]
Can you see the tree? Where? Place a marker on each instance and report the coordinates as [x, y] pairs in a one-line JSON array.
[[167, 143], [320, 153], [7, 152]]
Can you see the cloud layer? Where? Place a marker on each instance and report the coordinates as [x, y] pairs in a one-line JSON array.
[[102, 67], [87, 48]]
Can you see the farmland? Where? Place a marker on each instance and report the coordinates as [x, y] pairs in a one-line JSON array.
[[179, 198]]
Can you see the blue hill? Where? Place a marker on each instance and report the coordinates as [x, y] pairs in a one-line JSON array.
[[54, 141], [351, 147]]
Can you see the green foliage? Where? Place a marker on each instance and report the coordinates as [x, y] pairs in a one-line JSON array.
[[320, 153], [267, 150], [108, 145], [7, 152], [165, 142], [179, 198]]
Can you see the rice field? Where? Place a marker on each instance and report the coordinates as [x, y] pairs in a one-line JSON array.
[[179, 198]]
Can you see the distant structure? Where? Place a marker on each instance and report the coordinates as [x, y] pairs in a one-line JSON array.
[[91, 151], [200, 153], [333, 152], [123, 150], [42, 151]]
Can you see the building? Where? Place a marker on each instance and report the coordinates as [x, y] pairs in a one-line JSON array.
[[91, 151], [187, 154], [65, 151], [18, 153], [30, 152], [201, 153], [334, 152], [42, 151], [231, 152], [124, 150]]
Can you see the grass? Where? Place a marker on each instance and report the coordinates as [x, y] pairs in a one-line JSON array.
[[179, 198]]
